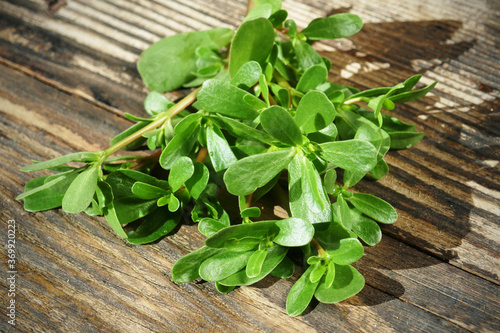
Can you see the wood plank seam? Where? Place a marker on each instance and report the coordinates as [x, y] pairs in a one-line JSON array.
[[73, 92]]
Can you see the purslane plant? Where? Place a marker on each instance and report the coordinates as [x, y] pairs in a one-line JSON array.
[[263, 117]]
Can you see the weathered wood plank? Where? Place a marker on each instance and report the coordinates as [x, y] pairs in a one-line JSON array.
[[378, 44], [75, 266], [445, 189], [70, 67], [432, 285]]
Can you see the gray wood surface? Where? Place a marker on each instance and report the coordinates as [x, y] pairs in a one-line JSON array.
[[66, 78]]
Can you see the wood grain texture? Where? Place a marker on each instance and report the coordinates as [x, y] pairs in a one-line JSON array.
[[66, 79]]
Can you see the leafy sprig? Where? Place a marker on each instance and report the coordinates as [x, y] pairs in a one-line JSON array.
[[265, 117]]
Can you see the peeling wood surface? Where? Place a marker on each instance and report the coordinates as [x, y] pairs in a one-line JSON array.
[[66, 78]]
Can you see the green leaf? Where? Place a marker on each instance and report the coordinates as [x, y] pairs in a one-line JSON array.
[[301, 294], [131, 208], [356, 155], [365, 228], [187, 123], [74, 157], [327, 134], [81, 191], [264, 88], [254, 265], [376, 208], [208, 226], [376, 136], [182, 169], [275, 4], [155, 226], [132, 117], [307, 198], [112, 219], [163, 201], [349, 122], [243, 150], [330, 275], [121, 181], [284, 270], [156, 103], [275, 255], [312, 77], [336, 26], [48, 182], [343, 212], [169, 63], [279, 123], [134, 128], [348, 282], [331, 232], [314, 112], [247, 76], [147, 191], [127, 207], [409, 96], [278, 18], [263, 10], [182, 143], [253, 41], [240, 130], [104, 194], [48, 197], [407, 85], [294, 232], [246, 175], [380, 170], [173, 203], [312, 188], [250, 212], [211, 206], [259, 229], [261, 191], [223, 289], [351, 178], [93, 209], [219, 151], [390, 123], [243, 244], [222, 265], [187, 268], [198, 181], [224, 98], [405, 140], [319, 269], [284, 97], [345, 252], [371, 92], [292, 28], [330, 181], [306, 55]]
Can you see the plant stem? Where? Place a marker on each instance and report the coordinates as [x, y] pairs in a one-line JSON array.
[[170, 113], [354, 100], [248, 201], [283, 198], [151, 159], [250, 6], [202, 155], [318, 247]]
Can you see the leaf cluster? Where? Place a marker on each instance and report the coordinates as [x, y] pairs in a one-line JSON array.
[[265, 117]]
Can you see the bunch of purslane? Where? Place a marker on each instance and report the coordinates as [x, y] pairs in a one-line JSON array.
[[263, 117]]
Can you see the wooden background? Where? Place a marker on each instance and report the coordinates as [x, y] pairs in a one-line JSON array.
[[66, 78]]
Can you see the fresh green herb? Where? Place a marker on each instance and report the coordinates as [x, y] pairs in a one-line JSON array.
[[263, 114]]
